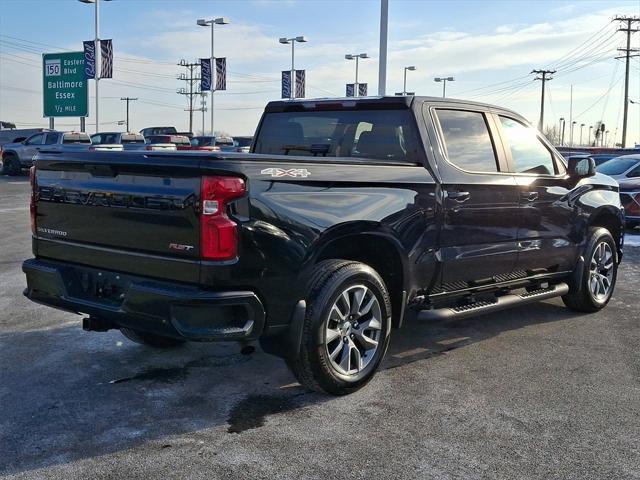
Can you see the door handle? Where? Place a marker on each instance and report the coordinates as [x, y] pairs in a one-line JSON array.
[[459, 196], [530, 196]]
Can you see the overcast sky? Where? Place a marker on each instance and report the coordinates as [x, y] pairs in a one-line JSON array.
[[489, 47]]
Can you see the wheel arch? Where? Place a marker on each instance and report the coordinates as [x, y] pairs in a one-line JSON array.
[[612, 219], [374, 247]]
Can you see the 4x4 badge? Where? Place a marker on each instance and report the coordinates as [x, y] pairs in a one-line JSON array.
[[286, 172]]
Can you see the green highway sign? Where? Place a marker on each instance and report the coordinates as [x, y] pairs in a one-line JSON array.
[[64, 86]]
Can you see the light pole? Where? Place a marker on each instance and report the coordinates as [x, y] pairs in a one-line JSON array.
[[444, 81], [573, 124], [581, 127], [292, 41], [590, 128], [560, 122], [404, 87], [96, 47], [606, 138], [356, 57], [205, 23]]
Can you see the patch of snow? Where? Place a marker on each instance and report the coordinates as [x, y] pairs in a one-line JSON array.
[[632, 240]]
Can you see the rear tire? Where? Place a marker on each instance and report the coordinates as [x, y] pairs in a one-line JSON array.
[[10, 165], [598, 278], [346, 328], [151, 339]]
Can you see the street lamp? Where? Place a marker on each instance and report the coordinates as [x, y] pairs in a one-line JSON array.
[[590, 128], [356, 57], [581, 127], [96, 46], [205, 23], [444, 81], [561, 131], [404, 87], [292, 41], [606, 138], [573, 124]]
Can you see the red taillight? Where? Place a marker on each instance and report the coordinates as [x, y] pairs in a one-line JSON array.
[[218, 233], [33, 206]]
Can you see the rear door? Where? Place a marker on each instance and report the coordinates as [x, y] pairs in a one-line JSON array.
[[478, 240], [546, 219]]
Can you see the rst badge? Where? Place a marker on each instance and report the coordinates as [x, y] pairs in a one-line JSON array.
[[286, 172], [180, 247]]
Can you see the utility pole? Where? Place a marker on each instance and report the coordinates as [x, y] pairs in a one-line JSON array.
[[203, 108], [626, 22], [128, 99], [190, 92], [544, 78]]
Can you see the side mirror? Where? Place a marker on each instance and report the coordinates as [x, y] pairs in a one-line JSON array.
[[581, 166]]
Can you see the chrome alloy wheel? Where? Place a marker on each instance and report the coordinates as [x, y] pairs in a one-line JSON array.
[[353, 330], [601, 272]]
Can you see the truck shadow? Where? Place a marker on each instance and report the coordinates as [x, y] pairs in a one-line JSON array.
[[86, 395]]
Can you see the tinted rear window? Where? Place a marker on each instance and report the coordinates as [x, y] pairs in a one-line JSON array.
[[616, 166], [132, 139], [378, 134], [76, 138], [242, 142]]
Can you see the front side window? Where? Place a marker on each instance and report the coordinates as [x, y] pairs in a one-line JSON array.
[[528, 153], [388, 135], [467, 140], [36, 139]]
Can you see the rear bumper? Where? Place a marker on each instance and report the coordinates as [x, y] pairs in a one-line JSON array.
[[170, 309]]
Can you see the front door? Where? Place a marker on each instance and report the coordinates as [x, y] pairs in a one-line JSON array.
[[31, 148], [478, 240], [546, 218]]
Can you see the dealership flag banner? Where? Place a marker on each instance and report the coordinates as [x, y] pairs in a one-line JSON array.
[[205, 74], [300, 74], [362, 89], [286, 83], [221, 73], [89, 59], [106, 57], [350, 90]]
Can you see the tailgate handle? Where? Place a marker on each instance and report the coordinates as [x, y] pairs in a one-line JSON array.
[[101, 170]]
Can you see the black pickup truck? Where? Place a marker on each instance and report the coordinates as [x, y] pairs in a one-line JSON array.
[[347, 217]]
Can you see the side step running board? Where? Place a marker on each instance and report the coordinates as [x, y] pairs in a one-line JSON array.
[[490, 306]]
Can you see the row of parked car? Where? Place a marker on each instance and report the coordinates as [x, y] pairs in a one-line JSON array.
[[626, 170], [19, 154]]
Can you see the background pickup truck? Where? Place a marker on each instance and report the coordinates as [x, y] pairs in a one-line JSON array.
[[16, 156], [349, 217]]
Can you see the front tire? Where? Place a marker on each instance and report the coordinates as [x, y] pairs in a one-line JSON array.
[[346, 328], [150, 339], [10, 165], [599, 274]]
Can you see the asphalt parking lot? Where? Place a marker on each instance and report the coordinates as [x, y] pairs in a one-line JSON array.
[[535, 392]]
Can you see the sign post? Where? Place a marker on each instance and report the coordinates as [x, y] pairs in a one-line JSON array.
[[64, 86]]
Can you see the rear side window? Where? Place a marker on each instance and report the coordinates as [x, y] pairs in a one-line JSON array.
[[52, 138], [388, 135], [528, 153], [36, 139], [467, 140]]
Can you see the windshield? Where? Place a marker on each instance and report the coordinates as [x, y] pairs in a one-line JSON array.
[[381, 134], [616, 166]]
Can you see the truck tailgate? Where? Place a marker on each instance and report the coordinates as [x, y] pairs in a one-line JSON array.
[[137, 208]]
